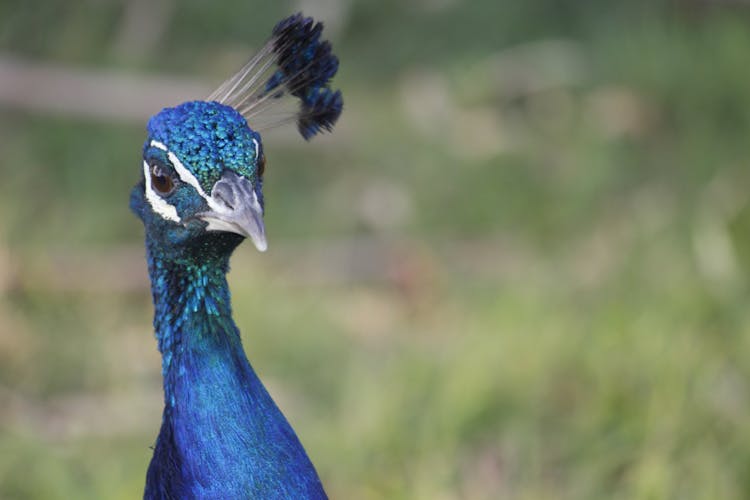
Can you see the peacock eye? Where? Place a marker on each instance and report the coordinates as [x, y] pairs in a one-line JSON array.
[[261, 165], [161, 180]]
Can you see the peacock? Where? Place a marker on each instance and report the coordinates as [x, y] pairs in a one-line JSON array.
[[200, 196]]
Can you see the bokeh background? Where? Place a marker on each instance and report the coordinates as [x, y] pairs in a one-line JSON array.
[[519, 268]]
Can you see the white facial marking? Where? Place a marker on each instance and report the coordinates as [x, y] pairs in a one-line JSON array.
[[257, 148], [158, 204], [168, 211], [187, 177]]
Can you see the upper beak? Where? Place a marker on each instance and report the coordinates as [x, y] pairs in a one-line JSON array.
[[234, 208]]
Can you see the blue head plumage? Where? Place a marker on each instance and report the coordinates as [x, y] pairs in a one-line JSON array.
[[201, 194], [209, 137]]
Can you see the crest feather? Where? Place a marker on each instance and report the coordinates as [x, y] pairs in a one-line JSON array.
[[294, 63]]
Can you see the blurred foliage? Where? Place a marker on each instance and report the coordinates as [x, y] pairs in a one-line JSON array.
[[545, 228]]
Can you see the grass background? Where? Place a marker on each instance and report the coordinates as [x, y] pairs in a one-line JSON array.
[[518, 268]]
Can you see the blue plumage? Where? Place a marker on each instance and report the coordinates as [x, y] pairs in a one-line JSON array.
[[321, 109], [222, 436], [306, 64], [295, 62]]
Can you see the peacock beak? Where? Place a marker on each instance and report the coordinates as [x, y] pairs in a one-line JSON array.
[[235, 209]]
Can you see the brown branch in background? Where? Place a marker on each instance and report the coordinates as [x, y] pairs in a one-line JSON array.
[[107, 95]]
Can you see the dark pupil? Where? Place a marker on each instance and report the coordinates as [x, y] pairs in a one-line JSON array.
[[162, 183]]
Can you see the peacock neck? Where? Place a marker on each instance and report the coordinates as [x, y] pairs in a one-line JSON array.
[[222, 436], [192, 314]]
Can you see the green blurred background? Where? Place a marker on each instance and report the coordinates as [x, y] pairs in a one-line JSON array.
[[519, 268]]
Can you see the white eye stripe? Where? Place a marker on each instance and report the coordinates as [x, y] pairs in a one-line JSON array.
[[257, 148], [188, 178], [158, 204], [183, 173]]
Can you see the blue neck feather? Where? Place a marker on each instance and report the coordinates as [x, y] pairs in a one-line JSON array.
[[222, 436]]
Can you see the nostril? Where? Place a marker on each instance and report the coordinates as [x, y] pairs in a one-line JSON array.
[[223, 192], [231, 192]]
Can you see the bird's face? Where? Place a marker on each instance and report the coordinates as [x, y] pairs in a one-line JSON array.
[[202, 179]]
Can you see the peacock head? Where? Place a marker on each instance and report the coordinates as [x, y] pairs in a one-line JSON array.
[[202, 173], [202, 163]]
